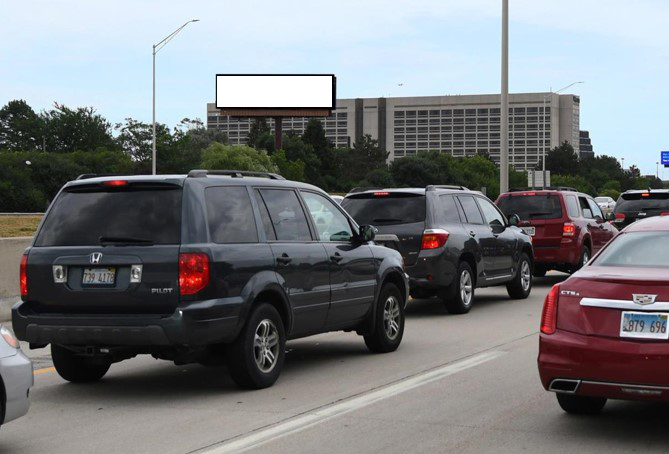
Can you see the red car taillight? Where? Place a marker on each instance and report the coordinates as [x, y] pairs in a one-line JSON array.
[[23, 276], [434, 239], [568, 229], [549, 314], [193, 273]]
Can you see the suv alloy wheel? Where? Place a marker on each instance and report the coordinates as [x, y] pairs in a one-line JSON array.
[[389, 321], [460, 295]]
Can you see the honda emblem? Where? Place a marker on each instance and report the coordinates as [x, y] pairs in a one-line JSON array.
[[96, 257]]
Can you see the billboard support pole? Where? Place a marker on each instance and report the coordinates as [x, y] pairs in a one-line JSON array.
[[278, 126]]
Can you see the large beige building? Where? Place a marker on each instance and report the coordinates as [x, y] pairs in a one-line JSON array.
[[459, 125]]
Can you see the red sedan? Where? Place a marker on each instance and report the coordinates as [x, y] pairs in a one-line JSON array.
[[604, 332]]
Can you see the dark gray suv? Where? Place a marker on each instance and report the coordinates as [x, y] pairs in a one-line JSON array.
[[209, 267], [452, 241]]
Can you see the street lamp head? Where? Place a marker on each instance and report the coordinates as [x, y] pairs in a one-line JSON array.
[[195, 20]]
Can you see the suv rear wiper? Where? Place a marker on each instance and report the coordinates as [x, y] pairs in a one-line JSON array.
[[386, 220], [121, 240], [542, 213]]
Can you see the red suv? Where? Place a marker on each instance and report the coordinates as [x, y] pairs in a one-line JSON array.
[[567, 227]]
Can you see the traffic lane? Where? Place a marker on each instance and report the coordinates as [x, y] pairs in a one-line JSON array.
[[498, 406], [150, 406]]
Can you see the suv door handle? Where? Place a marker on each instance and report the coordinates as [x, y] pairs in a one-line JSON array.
[[472, 233], [284, 259], [336, 257]]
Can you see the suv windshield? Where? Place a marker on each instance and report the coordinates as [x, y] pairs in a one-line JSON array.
[[532, 206], [643, 249], [386, 208], [128, 216], [642, 201]]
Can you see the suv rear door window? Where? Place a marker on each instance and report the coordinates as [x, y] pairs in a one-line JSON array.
[[288, 218], [448, 211], [492, 216], [471, 210], [230, 215], [538, 206], [596, 211], [572, 206], [270, 234], [386, 208], [331, 224], [585, 208], [81, 216]]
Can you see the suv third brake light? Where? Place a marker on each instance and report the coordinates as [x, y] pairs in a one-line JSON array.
[[434, 238], [549, 313], [193, 273], [568, 229]]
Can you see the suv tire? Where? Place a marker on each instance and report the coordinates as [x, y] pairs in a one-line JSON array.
[[76, 368], [521, 285], [255, 358], [585, 257], [388, 321], [580, 405], [459, 296]]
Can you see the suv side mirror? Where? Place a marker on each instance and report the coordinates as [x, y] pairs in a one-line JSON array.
[[367, 233], [514, 220]]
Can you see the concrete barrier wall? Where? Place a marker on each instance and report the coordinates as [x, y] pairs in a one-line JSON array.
[[11, 250]]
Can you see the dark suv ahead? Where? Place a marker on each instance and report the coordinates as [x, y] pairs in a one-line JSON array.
[[202, 268], [640, 204], [567, 226], [452, 240]]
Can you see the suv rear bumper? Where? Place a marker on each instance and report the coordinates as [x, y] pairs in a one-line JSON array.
[[192, 325], [566, 253], [432, 270]]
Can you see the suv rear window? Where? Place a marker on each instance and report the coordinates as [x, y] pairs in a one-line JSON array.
[[637, 202], [386, 209], [80, 218], [532, 206]]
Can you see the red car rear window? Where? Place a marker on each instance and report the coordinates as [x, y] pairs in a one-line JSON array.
[[538, 206]]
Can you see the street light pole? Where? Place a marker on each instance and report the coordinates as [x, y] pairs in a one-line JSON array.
[[504, 133], [156, 49], [543, 132]]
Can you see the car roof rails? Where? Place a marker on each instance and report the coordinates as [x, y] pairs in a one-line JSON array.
[[434, 187], [549, 188], [86, 176], [363, 189], [201, 173]]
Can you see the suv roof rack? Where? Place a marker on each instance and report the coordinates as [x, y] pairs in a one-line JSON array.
[[549, 188], [434, 187], [86, 176], [363, 189], [201, 173]]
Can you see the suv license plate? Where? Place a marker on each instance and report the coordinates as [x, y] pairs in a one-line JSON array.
[[644, 325], [98, 276], [528, 230]]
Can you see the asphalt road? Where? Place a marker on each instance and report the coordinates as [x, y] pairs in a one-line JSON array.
[[465, 383]]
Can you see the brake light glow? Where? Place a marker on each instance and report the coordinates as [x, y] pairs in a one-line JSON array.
[[115, 183], [23, 276], [664, 213], [530, 193], [645, 194], [193, 273], [381, 194], [549, 313], [434, 238], [620, 217], [568, 229]]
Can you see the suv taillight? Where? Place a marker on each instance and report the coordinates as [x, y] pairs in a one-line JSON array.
[[620, 217], [193, 273], [23, 276], [549, 313], [568, 229], [434, 238]]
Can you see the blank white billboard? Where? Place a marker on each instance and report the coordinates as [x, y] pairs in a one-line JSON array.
[[275, 91]]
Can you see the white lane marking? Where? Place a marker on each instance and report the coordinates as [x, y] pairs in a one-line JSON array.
[[323, 414]]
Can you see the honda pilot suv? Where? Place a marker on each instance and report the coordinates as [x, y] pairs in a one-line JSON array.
[[640, 204], [209, 267], [567, 226], [453, 240]]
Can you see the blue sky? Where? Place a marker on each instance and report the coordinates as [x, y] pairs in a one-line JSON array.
[[94, 53]]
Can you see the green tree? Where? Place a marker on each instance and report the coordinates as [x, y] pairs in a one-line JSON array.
[[562, 160], [68, 130], [378, 178], [297, 150], [21, 129], [18, 192], [136, 140], [424, 169], [291, 170], [242, 157], [573, 181], [366, 156], [258, 134]]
